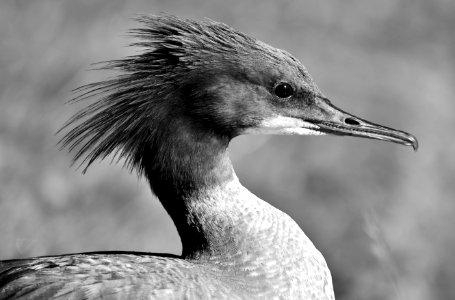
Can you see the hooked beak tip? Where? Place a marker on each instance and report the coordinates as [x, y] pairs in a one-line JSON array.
[[413, 142]]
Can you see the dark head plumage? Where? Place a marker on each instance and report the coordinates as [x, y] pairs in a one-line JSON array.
[[209, 77], [177, 71]]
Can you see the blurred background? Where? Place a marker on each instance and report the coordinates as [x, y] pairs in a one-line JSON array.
[[382, 215]]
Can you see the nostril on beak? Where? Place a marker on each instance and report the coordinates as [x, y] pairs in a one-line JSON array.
[[351, 121]]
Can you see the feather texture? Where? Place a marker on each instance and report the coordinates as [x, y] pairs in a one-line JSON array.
[[170, 114]]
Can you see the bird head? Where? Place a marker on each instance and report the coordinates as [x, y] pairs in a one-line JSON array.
[[214, 79]]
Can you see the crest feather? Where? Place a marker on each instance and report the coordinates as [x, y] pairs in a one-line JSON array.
[[126, 116]]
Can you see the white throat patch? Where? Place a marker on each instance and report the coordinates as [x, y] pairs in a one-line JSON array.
[[284, 125]]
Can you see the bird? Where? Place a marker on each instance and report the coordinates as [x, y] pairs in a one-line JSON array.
[[170, 114]]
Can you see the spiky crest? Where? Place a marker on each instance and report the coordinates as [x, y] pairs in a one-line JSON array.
[[125, 118]]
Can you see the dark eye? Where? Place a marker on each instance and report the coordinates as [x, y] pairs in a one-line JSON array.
[[283, 90]]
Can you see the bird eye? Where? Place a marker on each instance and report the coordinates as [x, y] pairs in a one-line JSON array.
[[283, 90]]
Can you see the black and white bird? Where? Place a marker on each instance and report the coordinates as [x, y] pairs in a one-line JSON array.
[[171, 114]]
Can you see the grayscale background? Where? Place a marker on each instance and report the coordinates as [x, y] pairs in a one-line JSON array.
[[382, 215]]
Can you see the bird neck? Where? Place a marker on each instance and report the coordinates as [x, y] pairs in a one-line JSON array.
[[183, 164], [217, 218]]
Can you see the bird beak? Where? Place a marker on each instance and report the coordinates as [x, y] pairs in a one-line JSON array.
[[328, 119]]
